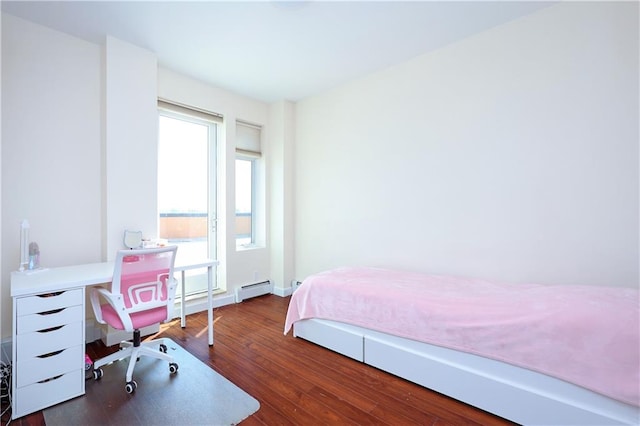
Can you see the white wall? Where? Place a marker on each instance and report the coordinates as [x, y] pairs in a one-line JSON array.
[[2, 291], [51, 124], [281, 182], [130, 150], [511, 155]]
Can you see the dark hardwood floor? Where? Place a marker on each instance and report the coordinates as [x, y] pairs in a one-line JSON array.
[[298, 382]]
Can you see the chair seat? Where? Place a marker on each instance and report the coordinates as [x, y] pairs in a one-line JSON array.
[[139, 319]]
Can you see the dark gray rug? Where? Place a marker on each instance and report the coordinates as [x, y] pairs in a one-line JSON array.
[[195, 395]]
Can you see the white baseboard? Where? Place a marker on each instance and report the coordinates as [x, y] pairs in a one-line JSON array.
[[282, 291], [253, 290]]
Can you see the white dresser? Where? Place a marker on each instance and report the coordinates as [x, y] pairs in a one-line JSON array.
[[48, 334], [48, 349]]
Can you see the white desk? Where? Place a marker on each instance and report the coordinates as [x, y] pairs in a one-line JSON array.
[[182, 268], [49, 308]]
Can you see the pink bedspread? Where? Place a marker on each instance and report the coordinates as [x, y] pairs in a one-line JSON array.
[[585, 335]]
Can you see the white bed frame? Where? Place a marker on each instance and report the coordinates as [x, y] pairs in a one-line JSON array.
[[514, 393]]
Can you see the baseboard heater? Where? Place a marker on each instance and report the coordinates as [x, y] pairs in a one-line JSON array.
[[253, 290]]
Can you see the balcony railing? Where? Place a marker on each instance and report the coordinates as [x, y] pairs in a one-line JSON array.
[[193, 226]]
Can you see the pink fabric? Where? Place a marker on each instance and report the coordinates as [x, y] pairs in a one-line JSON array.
[[148, 275], [586, 335], [139, 319], [149, 268]]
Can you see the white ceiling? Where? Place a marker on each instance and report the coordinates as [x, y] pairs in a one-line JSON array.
[[274, 50]]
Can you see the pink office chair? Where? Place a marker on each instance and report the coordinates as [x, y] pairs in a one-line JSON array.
[[142, 293]]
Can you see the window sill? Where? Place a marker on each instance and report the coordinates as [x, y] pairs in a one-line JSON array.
[[249, 247]]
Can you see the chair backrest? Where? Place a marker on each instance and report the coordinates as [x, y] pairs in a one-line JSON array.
[[144, 278]]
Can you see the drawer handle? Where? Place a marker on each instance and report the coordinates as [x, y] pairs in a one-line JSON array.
[[54, 353], [53, 311], [47, 330], [51, 378], [54, 294]]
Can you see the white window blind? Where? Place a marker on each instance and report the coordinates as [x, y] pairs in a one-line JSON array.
[[189, 111], [248, 139]]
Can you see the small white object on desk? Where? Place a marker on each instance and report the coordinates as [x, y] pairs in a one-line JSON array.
[[24, 245]]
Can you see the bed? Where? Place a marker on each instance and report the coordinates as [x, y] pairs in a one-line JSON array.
[[532, 354]]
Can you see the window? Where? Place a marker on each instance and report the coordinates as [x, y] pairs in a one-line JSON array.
[[187, 185], [244, 202], [248, 160]]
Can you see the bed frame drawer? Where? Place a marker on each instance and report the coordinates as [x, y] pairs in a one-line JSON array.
[[494, 386], [337, 337]]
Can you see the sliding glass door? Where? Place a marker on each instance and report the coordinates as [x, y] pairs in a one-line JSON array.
[[187, 188]]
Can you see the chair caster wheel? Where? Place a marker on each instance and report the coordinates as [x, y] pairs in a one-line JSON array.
[[131, 386], [163, 348], [97, 374], [173, 368]]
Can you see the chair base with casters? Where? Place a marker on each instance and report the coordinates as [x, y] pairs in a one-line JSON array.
[[156, 348]]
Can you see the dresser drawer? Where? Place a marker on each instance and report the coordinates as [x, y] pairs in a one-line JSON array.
[[46, 393], [37, 368], [50, 301], [43, 342], [48, 319]]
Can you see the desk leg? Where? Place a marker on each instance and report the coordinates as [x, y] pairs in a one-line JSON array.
[[210, 302], [183, 319]]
